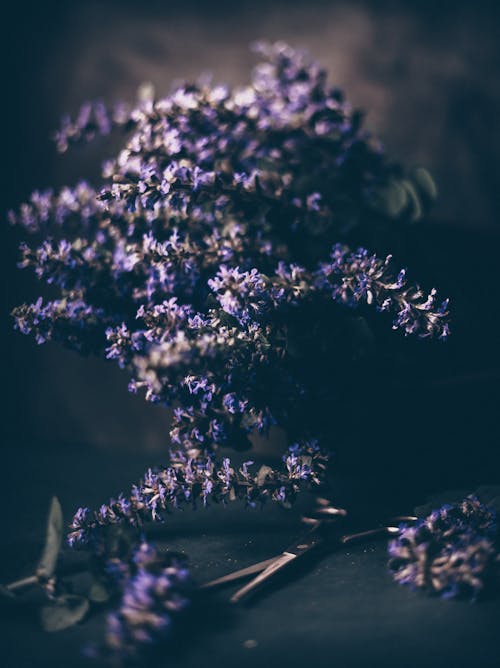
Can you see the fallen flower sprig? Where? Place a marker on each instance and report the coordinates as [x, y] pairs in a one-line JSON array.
[[452, 552], [154, 589]]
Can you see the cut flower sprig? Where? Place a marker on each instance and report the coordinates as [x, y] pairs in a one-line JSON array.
[[453, 552], [199, 479]]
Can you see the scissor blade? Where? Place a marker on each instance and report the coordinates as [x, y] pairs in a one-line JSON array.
[[276, 565], [309, 541], [237, 575]]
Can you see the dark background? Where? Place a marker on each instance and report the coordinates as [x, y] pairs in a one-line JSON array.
[[427, 74]]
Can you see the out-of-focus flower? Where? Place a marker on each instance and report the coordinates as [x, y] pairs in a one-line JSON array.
[[452, 552]]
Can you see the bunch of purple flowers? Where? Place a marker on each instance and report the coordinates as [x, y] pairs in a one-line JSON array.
[[220, 230], [453, 552], [153, 589]]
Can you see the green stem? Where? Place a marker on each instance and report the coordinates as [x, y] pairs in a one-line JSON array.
[[20, 584]]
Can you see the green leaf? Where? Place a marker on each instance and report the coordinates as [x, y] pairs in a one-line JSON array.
[[391, 200], [53, 539], [98, 593], [414, 203], [63, 612], [425, 183]]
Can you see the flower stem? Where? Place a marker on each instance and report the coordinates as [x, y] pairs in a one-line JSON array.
[[24, 582]]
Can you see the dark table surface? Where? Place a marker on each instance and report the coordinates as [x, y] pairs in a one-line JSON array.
[[343, 610]]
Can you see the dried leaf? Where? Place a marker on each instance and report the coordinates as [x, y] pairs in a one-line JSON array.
[[55, 526], [64, 612]]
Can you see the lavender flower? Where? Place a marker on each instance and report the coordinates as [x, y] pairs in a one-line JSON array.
[[219, 233], [215, 230], [452, 552], [93, 118], [193, 478], [154, 590], [359, 277]]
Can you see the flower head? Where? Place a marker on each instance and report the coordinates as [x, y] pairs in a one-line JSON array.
[[452, 552]]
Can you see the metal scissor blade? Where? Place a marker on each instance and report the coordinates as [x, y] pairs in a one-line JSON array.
[[237, 575], [274, 567], [306, 543]]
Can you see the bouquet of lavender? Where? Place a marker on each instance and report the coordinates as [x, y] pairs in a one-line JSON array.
[[215, 264], [212, 262]]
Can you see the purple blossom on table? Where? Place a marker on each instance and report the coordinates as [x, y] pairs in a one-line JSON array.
[[153, 589], [453, 552]]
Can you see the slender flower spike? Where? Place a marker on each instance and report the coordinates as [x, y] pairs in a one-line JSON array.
[[189, 480], [453, 552]]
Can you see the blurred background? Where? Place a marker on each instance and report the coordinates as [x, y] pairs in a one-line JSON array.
[[427, 75]]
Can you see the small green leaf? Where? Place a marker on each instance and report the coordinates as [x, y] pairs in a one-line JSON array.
[[64, 612], [414, 203], [391, 200], [425, 183], [55, 525], [98, 592]]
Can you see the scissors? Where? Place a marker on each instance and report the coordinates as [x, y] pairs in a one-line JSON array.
[[323, 520]]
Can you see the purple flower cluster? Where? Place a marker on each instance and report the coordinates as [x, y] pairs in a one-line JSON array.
[[197, 478], [217, 224], [360, 278], [453, 552], [94, 118], [155, 589]]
